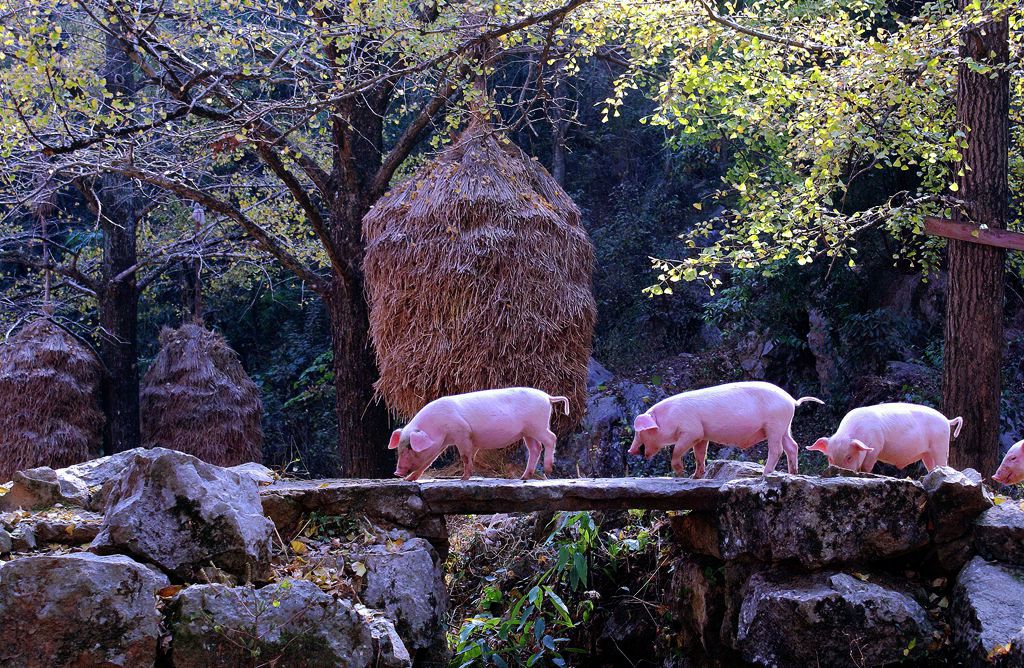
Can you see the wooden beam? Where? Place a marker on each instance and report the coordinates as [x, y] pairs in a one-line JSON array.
[[943, 227]]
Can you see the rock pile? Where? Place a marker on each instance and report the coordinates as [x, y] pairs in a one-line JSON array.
[[182, 571]]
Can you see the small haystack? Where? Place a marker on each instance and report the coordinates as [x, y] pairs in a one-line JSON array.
[[479, 276], [50, 411], [197, 398]]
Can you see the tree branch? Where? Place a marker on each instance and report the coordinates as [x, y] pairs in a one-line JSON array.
[[405, 144], [264, 239], [812, 47]]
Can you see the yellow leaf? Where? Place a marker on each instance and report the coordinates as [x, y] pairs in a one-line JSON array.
[[298, 547], [323, 485], [1000, 650], [169, 591], [359, 568], [998, 499], [698, 206]]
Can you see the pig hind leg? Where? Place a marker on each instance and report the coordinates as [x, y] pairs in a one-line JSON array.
[[792, 451], [533, 448], [938, 450], [700, 456], [776, 446], [548, 439]]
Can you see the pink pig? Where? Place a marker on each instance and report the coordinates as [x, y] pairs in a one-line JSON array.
[[1011, 470], [739, 414], [485, 420], [897, 434]]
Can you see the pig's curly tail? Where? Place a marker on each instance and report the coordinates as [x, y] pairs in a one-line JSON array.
[[561, 400]]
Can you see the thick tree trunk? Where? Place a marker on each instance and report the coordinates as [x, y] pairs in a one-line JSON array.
[[971, 382], [362, 422], [118, 299]]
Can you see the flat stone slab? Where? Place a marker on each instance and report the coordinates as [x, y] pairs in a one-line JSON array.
[[489, 495], [406, 503]]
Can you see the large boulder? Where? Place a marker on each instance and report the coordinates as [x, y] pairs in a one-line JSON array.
[[290, 623], [988, 614], [955, 499], [828, 619], [407, 584], [810, 520], [999, 533], [87, 484], [78, 610], [181, 514]]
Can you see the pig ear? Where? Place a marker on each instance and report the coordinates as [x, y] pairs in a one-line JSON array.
[[859, 445], [644, 421], [821, 445], [419, 440], [396, 436]]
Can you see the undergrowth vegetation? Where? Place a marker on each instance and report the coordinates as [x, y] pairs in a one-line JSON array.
[[538, 591]]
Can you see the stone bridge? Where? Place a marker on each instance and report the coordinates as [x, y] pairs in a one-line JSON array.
[[734, 511]]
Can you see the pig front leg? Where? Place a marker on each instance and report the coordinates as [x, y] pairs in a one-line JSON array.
[[466, 452], [869, 461], [679, 450]]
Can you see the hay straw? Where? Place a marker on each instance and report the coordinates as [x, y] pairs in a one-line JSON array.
[[479, 276], [49, 403], [197, 398]]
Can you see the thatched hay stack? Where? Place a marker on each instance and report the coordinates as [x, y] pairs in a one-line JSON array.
[[50, 411], [197, 398], [479, 276]]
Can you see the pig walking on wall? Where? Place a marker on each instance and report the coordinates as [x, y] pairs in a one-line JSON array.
[[898, 434], [1011, 469], [485, 420], [739, 414]]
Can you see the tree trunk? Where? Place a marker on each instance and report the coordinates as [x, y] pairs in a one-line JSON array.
[[972, 365], [362, 423], [118, 300], [358, 135], [559, 129]]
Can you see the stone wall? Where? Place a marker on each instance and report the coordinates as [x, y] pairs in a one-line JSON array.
[[153, 556]]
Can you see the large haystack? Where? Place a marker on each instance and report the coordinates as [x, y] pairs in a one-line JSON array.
[[479, 276], [197, 398], [50, 411]]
